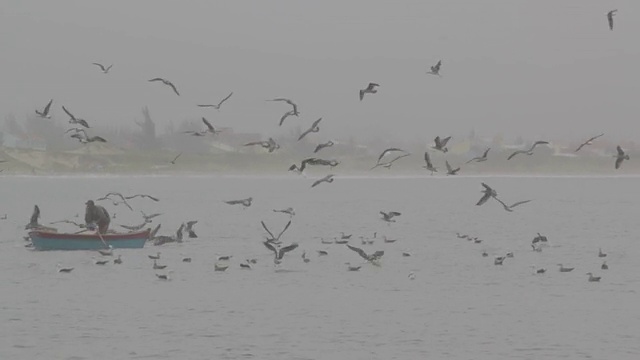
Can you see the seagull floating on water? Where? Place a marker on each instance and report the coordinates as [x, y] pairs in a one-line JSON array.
[[371, 89], [118, 260], [63, 269], [217, 107], [604, 266], [168, 83], [565, 269], [601, 254], [593, 278]]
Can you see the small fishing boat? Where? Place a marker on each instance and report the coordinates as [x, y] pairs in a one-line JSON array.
[[47, 240]]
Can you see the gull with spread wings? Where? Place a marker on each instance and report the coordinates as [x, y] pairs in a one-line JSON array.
[[528, 151], [166, 82], [217, 107], [620, 157], [45, 113], [588, 142], [314, 128], [371, 89], [435, 70], [74, 120], [429, 165], [480, 158], [270, 144], [105, 70]]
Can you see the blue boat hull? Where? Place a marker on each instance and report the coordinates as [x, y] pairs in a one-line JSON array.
[[55, 241]]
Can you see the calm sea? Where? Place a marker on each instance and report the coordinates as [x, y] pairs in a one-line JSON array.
[[459, 306]]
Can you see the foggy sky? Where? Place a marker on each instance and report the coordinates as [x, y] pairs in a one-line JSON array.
[[533, 68]]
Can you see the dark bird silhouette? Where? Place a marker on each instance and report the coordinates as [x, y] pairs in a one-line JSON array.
[[105, 70], [322, 146], [209, 130], [244, 202], [369, 257], [168, 83], [620, 157], [327, 179], [429, 165], [74, 120], [441, 144], [189, 229], [387, 151], [286, 115], [388, 164], [610, 16], [45, 113], [480, 158], [314, 128], [279, 252], [388, 217], [488, 193], [270, 144], [33, 222], [528, 151], [435, 70], [371, 89], [510, 207], [295, 107], [82, 137], [271, 238], [217, 107], [450, 170], [588, 142], [175, 158]]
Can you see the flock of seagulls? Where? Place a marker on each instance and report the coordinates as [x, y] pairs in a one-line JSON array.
[[273, 243]]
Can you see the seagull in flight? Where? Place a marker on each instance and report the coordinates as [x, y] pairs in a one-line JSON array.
[[370, 258], [620, 157], [387, 151], [510, 207], [435, 70], [288, 101], [322, 146], [45, 113], [244, 202], [217, 107], [480, 158], [388, 217], [279, 252], [209, 130], [450, 170], [82, 136], [274, 239], [429, 165], [168, 83], [175, 158], [105, 70], [390, 162], [488, 193], [270, 145], [289, 211], [371, 89], [610, 15], [528, 151], [74, 120], [327, 179], [286, 115], [441, 144], [314, 128], [588, 142]]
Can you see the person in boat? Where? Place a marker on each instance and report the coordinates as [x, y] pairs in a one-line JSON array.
[[96, 215]]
